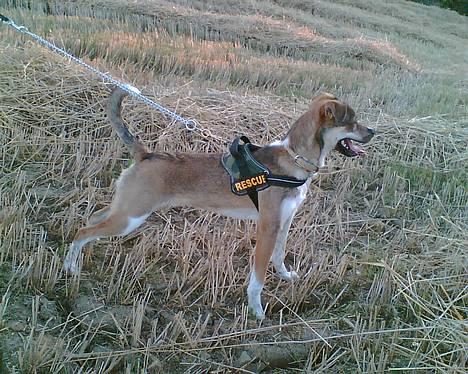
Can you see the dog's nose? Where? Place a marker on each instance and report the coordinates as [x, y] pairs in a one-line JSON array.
[[371, 131]]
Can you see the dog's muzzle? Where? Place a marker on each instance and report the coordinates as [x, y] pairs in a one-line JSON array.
[[348, 147]]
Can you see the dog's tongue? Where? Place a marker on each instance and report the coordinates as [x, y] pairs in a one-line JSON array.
[[354, 148]]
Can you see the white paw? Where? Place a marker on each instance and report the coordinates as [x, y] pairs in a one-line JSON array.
[[70, 268], [258, 311], [70, 265], [254, 292], [289, 276]]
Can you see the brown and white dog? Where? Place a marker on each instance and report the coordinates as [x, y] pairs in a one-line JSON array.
[[162, 180]]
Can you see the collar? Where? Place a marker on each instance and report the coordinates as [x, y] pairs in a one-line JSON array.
[[301, 161]]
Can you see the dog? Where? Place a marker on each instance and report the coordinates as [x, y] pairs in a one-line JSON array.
[[159, 180]]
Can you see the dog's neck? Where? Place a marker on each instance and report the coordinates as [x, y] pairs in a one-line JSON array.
[[305, 140], [308, 164]]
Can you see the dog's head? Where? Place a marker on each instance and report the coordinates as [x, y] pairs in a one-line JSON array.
[[338, 127]]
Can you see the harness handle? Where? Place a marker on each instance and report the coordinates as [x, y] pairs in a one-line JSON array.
[[234, 147]]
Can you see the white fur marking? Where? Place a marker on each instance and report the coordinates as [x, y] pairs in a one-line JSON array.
[[289, 208], [277, 143], [254, 291], [290, 205], [333, 136], [239, 213], [71, 262], [122, 175], [134, 223]]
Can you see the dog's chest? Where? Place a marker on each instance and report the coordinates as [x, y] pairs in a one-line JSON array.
[[292, 201]]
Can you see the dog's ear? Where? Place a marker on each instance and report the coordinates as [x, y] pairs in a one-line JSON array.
[[321, 97], [329, 96], [328, 111], [337, 112]]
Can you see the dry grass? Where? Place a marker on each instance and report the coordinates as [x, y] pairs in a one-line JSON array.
[[380, 243]]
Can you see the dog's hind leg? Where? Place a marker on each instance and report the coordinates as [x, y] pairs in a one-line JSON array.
[[115, 224], [99, 216]]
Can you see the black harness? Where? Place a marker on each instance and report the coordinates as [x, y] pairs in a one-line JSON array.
[[248, 175]]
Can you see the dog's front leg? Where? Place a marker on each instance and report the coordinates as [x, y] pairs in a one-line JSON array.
[[278, 253], [289, 207], [268, 228]]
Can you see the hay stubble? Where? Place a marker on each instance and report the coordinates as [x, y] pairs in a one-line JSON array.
[[379, 243]]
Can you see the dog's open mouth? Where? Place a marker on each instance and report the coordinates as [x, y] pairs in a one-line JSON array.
[[348, 148]]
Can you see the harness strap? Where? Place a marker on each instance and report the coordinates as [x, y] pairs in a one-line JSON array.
[[253, 194], [284, 181], [278, 181]]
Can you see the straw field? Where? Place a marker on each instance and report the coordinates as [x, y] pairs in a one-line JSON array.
[[380, 243]]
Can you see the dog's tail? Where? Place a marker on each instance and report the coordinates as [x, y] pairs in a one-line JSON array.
[[114, 109]]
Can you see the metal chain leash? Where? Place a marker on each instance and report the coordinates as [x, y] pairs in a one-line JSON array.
[[190, 124]]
